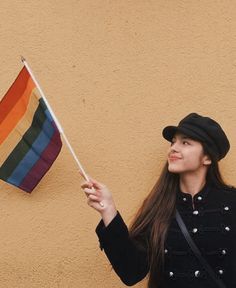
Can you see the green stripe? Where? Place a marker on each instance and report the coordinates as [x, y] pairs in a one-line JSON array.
[[25, 143]]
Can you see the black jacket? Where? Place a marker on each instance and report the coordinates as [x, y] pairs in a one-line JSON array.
[[212, 225]]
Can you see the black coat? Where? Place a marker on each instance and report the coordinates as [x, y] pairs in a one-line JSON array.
[[212, 225]]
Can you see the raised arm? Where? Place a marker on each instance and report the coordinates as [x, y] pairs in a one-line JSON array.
[[128, 260]]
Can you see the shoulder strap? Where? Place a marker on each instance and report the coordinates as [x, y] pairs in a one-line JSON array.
[[197, 252]]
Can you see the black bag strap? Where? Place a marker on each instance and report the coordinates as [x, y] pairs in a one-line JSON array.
[[197, 252]]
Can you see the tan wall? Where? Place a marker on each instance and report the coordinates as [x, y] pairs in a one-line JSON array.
[[115, 73]]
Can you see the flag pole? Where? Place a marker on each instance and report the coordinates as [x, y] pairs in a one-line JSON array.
[[81, 169], [56, 120]]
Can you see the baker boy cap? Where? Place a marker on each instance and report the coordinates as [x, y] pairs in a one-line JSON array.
[[203, 129]]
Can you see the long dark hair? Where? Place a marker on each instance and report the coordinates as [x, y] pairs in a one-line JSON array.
[[150, 225]]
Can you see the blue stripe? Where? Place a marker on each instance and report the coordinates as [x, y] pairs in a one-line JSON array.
[[32, 156], [49, 116]]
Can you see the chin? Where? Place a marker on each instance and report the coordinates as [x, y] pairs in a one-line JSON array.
[[173, 169]]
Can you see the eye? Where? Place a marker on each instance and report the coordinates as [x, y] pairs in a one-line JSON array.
[[172, 142], [186, 142]]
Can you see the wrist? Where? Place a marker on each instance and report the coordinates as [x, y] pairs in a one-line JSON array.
[[108, 214]]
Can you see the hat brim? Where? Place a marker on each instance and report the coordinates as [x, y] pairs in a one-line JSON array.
[[169, 132]]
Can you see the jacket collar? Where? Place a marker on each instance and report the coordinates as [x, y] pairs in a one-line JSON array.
[[200, 196]]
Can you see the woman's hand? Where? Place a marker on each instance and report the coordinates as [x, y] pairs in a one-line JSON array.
[[100, 198]]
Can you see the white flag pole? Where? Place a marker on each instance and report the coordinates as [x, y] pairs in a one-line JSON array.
[[82, 172]]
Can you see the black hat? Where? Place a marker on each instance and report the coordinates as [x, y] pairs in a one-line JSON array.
[[203, 129]]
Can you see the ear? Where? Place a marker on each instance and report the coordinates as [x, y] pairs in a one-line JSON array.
[[206, 160]]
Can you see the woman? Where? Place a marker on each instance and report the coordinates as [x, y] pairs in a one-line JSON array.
[[191, 183]]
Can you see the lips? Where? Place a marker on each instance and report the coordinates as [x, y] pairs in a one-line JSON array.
[[174, 158]]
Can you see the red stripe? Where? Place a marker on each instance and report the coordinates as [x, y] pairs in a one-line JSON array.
[[41, 167]]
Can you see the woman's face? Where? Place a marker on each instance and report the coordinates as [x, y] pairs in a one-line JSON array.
[[186, 155]]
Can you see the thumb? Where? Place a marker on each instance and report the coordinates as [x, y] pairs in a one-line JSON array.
[[95, 183]]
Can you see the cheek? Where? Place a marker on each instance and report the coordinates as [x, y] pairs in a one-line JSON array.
[[192, 158]]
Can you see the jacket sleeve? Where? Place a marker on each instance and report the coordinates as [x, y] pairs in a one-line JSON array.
[[129, 262]]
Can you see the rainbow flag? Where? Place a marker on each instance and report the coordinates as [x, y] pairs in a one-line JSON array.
[[29, 138]]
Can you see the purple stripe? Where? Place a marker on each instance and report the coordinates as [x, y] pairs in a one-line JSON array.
[[45, 161]]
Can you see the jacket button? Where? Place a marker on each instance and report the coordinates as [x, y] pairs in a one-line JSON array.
[[195, 230], [223, 252], [184, 199], [197, 273], [171, 274], [226, 208], [195, 212], [166, 251], [221, 272], [227, 228], [199, 198]]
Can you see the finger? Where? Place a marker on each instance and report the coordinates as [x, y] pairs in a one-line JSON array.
[[89, 191], [94, 204], [94, 198], [86, 185]]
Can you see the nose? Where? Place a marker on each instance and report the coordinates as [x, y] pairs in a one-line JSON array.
[[174, 147]]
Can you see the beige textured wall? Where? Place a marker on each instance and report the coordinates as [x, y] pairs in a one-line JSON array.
[[115, 73]]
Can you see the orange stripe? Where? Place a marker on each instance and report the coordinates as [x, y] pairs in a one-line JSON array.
[[15, 105], [14, 93], [23, 125]]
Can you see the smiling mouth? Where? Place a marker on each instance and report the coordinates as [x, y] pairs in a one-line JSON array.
[[172, 158]]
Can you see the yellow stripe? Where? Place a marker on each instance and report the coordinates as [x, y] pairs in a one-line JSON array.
[[23, 125]]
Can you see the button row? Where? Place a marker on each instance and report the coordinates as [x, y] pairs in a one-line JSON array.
[[226, 228], [196, 273], [199, 198], [222, 251], [196, 212]]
